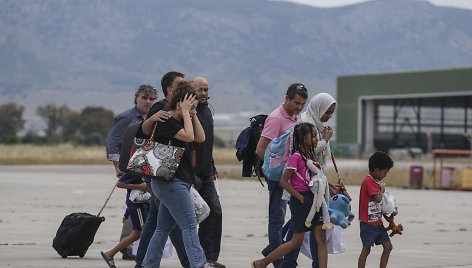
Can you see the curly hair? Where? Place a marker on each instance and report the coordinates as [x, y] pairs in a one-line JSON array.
[[380, 160], [179, 90], [148, 90]]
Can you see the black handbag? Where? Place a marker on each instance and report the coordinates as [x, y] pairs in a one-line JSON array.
[[154, 159]]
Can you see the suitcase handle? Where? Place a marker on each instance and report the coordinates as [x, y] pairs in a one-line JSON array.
[[108, 198]]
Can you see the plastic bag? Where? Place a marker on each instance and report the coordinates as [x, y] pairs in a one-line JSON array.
[[138, 196], [305, 248], [335, 240], [202, 210], [167, 252], [388, 204]]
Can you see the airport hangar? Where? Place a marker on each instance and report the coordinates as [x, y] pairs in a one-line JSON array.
[[423, 110]]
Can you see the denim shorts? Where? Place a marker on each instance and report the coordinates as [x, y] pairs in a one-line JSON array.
[[300, 211], [371, 234], [138, 217]]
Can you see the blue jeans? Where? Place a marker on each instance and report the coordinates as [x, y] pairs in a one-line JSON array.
[[150, 227], [290, 260], [176, 209], [277, 208]]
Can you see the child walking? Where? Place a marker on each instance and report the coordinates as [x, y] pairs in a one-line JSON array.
[[370, 209], [137, 212], [305, 139]]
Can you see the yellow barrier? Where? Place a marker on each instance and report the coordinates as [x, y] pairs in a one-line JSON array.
[[467, 178]]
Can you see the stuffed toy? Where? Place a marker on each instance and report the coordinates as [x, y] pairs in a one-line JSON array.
[[340, 211], [389, 210], [396, 229], [319, 187]]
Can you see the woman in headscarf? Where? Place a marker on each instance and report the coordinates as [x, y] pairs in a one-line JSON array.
[[320, 109]]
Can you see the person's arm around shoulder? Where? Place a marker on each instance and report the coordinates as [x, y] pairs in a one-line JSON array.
[[148, 125]]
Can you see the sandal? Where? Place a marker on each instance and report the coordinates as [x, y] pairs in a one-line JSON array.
[[110, 263]]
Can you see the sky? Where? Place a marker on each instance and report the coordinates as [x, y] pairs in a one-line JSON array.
[[466, 4]]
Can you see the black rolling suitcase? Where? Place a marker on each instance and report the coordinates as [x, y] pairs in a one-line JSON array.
[[77, 231]]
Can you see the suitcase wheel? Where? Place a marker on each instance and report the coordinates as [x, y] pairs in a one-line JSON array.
[[81, 256], [64, 253]]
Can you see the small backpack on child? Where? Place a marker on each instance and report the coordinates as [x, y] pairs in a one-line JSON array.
[[276, 155]]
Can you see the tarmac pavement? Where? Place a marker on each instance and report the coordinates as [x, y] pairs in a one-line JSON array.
[[35, 199]]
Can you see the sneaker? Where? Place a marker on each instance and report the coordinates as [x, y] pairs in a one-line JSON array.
[[208, 265], [217, 264]]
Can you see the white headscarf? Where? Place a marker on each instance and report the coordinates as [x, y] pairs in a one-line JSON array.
[[317, 107]]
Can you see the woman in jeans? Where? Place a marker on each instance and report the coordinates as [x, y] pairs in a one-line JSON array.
[[176, 207]]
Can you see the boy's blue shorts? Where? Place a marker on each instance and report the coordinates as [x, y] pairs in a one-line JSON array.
[[371, 234], [138, 217]]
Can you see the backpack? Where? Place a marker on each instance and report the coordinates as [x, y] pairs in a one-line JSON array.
[[246, 146], [276, 155]]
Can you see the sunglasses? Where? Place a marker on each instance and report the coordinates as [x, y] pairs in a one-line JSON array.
[[301, 87]]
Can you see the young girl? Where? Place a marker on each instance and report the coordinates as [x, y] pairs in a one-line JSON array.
[[304, 139]]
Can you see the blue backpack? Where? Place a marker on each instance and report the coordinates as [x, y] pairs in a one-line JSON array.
[[276, 155]]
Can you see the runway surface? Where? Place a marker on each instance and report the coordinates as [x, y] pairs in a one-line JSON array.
[[35, 199]]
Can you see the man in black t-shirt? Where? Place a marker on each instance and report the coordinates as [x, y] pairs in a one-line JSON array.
[[209, 231]]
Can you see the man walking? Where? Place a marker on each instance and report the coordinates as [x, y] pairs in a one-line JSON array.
[[209, 231], [144, 98], [276, 124]]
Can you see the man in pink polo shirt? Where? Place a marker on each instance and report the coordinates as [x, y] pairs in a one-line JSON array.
[[276, 124]]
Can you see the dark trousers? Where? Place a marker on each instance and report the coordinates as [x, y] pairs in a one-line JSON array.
[[209, 231]]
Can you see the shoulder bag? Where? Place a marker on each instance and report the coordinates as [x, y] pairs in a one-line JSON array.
[[154, 159]]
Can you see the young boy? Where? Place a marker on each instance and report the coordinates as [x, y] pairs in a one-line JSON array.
[[370, 209], [137, 212]]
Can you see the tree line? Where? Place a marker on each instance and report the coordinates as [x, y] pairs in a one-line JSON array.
[[87, 127]]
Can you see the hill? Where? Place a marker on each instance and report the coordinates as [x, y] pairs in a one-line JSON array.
[[95, 52]]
